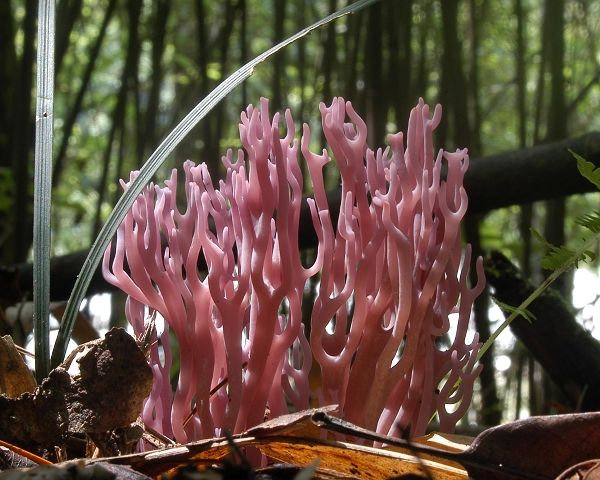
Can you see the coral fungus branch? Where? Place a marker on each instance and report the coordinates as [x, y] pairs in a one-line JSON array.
[[389, 323]]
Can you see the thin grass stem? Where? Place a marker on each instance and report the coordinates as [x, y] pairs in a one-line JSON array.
[[44, 117]]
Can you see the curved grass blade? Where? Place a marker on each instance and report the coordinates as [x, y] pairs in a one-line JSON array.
[[44, 117], [155, 161]]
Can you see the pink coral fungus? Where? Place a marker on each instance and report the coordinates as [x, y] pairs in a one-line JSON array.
[[389, 322]]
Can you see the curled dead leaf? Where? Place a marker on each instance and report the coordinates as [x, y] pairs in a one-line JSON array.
[[537, 447], [589, 470]]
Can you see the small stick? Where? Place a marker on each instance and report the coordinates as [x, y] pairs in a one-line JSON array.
[[24, 453], [214, 390]]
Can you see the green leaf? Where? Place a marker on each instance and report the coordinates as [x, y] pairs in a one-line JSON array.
[[154, 162], [43, 188], [591, 221], [540, 238], [526, 314], [587, 169], [559, 257]]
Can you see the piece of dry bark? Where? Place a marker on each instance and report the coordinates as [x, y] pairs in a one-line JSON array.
[[106, 395]]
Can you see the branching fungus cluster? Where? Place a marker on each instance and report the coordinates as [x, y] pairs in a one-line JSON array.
[[388, 327]]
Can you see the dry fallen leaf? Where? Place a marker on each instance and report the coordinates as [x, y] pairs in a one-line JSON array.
[[295, 439], [589, 470], [537, 448], [445, 441], [542, 447], [15, 376], [344, 459]]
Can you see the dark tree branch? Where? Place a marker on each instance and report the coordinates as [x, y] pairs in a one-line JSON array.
[[329, 57], [376, 111], [568, 353], [8, 79], [537, 173], [163, 8], [128, 83], [522, 176], [279, 59], [399, 33], [68, 11], [22, 139], [75, 110], [16, 282], [587, 88]]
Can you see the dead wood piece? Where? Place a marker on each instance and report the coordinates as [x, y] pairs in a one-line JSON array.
[[114, 379], [107, 395]]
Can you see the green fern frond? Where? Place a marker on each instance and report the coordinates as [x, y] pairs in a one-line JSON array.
[[540, 238], [591, 221], [558, 257], [523, 312], [587, 169]]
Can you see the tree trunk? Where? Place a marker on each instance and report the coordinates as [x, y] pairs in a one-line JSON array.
[[554, 229], [67, 13], [128, 81], [161, 16], [454, 97], [399, 73], [374, 74], [279, 59], [75, 110], [16, 248], [8, 80]]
